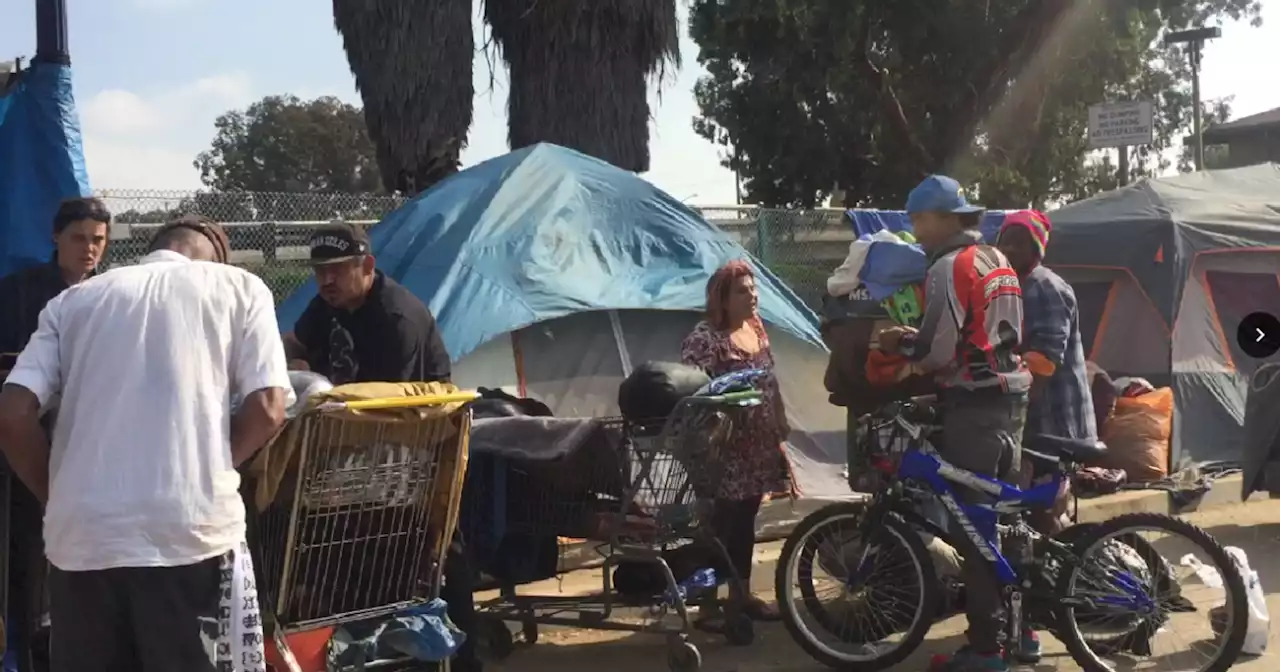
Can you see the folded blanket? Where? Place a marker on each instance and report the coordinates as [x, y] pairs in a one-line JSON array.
[[572, 455]]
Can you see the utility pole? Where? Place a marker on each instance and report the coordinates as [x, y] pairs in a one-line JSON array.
[[52, 45], [1195, 39]]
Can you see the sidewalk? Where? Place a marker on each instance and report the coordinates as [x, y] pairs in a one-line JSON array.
[[1254, 526], [778, 518]]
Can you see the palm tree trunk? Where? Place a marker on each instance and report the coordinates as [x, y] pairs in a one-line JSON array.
[[412, 61], [579, 72]]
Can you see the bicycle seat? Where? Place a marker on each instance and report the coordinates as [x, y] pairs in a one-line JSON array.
[[1077, 450]]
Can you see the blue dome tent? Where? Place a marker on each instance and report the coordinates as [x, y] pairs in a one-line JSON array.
[[552, 273]]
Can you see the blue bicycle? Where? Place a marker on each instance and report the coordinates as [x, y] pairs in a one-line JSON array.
[[1101, 589]]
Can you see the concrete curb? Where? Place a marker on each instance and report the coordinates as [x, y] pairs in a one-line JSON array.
[[778, 518]]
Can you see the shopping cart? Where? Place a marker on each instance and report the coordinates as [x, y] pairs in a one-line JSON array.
[[670, 470], [361, 500]]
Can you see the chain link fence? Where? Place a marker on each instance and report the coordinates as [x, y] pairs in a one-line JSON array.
[[269, 231], [801, 247]]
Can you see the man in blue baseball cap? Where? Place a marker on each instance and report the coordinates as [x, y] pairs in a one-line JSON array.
[[969, 339], [939, 211]]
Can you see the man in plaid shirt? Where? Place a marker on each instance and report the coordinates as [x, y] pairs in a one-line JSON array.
[[1061, 404]]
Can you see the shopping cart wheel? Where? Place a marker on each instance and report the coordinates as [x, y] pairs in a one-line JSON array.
[[501, 642], [739, 629], [683, 656], [529, 628]]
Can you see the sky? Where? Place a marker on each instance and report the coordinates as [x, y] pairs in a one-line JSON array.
[[152, 75]]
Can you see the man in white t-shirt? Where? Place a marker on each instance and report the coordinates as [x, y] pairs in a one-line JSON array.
[[142, 510]]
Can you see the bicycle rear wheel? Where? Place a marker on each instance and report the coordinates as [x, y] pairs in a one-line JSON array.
[[848, 625], [1114, 604]]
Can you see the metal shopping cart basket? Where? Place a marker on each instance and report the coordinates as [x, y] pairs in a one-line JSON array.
[[356, 504], [671, 469]]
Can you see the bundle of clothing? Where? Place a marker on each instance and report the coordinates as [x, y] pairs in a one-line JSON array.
[[879, 285]]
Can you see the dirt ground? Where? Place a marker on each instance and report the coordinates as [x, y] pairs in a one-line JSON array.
[[1254, 527]]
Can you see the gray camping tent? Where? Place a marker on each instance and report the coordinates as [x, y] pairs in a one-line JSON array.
[[1163, 271]]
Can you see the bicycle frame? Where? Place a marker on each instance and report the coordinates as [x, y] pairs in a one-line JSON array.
[[979, 521]]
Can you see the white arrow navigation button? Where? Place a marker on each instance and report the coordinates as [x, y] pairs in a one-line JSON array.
[[1261, 335]]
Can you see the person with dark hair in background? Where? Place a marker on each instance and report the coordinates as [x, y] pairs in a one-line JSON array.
[[80, 233], [365, 327], [144, 522]]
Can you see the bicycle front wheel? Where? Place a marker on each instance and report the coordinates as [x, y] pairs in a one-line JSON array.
[[851, 614], [1131, 597]]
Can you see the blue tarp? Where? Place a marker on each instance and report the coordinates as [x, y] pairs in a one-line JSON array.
[[41, 162], [545, 232], [866, 222]]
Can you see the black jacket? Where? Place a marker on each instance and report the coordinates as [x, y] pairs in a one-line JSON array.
[[392, 338], [23, 294]]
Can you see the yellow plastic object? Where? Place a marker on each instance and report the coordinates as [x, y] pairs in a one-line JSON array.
[[400, 402], [906, 305]]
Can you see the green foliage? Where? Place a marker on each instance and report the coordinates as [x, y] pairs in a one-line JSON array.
[[871, 95], [283, 144]]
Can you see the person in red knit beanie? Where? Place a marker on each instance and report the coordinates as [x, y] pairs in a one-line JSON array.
[[1061, 403]]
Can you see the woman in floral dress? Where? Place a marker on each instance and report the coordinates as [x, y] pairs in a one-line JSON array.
[[732, 338]]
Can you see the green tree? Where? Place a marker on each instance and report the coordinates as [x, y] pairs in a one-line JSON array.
[[283, 144], [808, 95]]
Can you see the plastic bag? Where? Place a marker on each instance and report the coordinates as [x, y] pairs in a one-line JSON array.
[[1259, 623], [1137, 436], [654, 389], [906, 306], [1255, 639]]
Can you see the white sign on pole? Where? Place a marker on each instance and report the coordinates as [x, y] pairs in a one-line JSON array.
[[1120, 124]]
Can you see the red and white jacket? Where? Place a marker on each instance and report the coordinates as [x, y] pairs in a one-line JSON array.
[[972, 322]]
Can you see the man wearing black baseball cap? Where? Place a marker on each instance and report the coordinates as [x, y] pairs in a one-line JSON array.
[[363, 326], [366, 327]]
